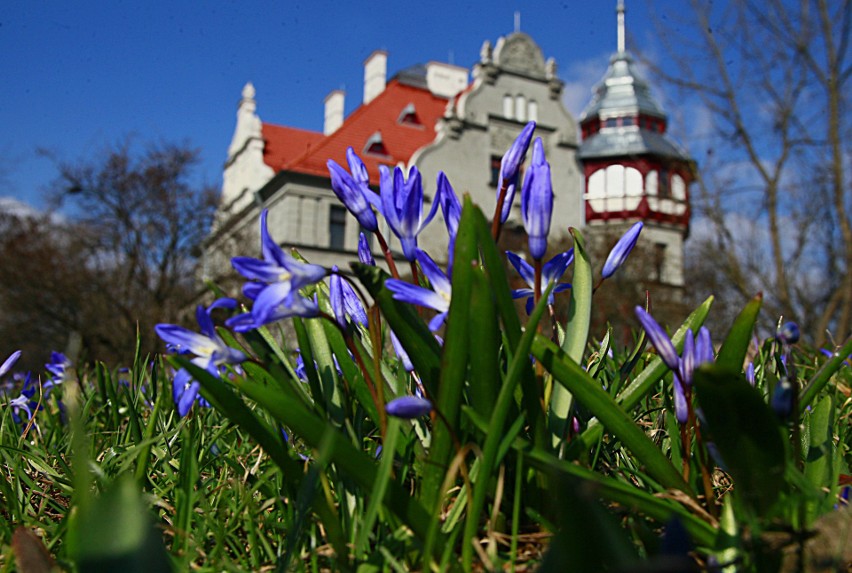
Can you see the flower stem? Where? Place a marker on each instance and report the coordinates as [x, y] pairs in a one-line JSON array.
[[496, 224], [388, 256]]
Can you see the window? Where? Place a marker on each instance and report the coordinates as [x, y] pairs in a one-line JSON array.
[[495, 170], [508, 104], [521, 108], [533, 115], [659, 260], [628, 121], [337, 227], [664, 189], [408, 116], [611, 122], [375, 145]]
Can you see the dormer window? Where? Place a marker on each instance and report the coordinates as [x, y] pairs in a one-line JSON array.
[[611, 122], [375, 145], [408, 116], [628, 121]]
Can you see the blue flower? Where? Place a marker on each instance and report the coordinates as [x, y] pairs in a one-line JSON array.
[[622, 248], [281, 276], [450, 205], [353, 190], [658, 338], [408, 407], [537, 201], [694, 354], [510, 167], [788, 333], [365, 254], [550, 273], [402, 206], [210, 350], [9, 363], [782, 398], [57, 366], [437, 299], [400, 351], [344, 301]]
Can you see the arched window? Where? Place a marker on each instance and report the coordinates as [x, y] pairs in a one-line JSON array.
[[508, 104], [533, 115], [521, 107]]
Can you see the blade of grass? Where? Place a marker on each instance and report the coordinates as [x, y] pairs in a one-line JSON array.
[[576, 335], [616, 420]]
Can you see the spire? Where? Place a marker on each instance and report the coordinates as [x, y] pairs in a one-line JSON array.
[[620, 11], [517, 21]]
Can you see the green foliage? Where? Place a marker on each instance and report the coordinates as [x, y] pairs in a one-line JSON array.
[[290, 474]]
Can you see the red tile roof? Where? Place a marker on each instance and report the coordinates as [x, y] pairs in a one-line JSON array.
[[285, 143], [289, 149]]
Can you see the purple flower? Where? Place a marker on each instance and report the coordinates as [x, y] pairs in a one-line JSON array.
[[56, 368], [550, 273], [400, 351], [788, 333], [402, 206], [704, 352], [9, 363], [510, 167], [658, 338], [353, 190], [537, 201], [782, 398], [365, 254], [450, 205], [621, 250], [749, 373], [408, 407], [281, 276], [210, 350], [344, 301], [437, 299]]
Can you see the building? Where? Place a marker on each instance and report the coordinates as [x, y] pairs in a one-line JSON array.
[[443, 117]]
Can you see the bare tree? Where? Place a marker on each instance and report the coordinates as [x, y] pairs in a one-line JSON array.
[[772, 77], [121, 257]]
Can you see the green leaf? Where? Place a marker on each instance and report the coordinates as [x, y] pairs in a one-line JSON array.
[[484, 348], [589, 538], [746, 433], [412, 332], [733, 351], [496, 426], [646, 380], [114, 533], [454, 361], [353, 463], [625, 494], [576, 334], [590, 394], [821, 378], [819, 453]]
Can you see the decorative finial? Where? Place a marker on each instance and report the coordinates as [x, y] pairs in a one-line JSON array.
[[517, 21], [620, 10], [248, 91], [485, 52]]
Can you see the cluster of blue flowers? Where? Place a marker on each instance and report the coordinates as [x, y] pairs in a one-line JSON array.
[[275, 281], [32, 394]]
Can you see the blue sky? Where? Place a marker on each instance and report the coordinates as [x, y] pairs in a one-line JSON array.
[[80, 76]]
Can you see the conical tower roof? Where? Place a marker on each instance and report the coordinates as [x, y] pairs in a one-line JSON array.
[[622, 91]]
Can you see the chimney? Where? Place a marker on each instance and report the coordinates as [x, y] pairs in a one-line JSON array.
[[375, 75], [445, 80], [333, 112]]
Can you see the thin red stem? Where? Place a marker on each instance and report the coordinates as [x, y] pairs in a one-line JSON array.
[[388, 256]]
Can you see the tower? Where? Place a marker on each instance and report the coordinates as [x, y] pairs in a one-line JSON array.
[[633, 170]]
